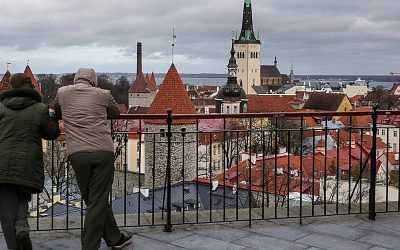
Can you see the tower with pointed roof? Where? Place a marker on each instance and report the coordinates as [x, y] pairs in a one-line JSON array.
[[171, 95], [5, 81], [248, 52], [28, 72], [141, 93], [231, 98]]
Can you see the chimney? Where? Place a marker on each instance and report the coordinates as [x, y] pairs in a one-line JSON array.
[[139, 58]]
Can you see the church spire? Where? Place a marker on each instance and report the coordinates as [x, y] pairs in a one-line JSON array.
[[276, 62], [232, 66], [247, 33]]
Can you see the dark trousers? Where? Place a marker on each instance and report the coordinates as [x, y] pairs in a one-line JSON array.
[[13, 212], [95, 173]]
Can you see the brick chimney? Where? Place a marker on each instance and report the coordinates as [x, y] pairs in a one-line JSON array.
[[139, 58]]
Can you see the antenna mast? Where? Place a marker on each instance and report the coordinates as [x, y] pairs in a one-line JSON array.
[[8, 65], [173, 43]]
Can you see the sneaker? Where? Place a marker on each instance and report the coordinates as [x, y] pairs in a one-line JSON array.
[[23, 241], [124, 241]]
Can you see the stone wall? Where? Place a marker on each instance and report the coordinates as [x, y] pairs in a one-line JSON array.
[[141, 99], [132, 180], [157, 159]]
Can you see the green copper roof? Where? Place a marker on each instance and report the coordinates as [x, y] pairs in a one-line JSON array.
[[247, 32]]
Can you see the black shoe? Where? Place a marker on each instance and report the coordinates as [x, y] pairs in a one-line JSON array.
[[124, 241], [23, 241]]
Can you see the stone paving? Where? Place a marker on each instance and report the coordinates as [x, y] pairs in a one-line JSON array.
[[339, 232]]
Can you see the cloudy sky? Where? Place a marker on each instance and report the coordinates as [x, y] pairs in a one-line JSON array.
[[317, 36]]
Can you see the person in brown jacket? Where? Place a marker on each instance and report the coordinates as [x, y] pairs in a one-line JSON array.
[[85, 110]]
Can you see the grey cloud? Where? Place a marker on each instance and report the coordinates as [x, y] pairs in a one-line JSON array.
[[318, 36]]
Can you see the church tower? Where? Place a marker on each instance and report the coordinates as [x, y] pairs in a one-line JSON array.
[[231, 99], [248, 53]]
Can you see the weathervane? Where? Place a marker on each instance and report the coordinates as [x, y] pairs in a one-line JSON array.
[[8, 65], [173, 43]]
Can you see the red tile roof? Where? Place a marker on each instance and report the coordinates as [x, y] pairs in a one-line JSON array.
[[122, 108], [392, 159], [232, 176], [270, 103], [152, 84], [28, 72], [172, 95], [394, 87], [5, 81], [139, 85]]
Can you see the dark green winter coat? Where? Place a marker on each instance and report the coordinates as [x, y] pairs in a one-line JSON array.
[[24, 121]]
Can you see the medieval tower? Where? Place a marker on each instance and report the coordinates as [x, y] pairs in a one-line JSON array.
[[143, 89], [171, 95]]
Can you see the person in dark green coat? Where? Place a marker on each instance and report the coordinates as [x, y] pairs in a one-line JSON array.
[[24, 122]]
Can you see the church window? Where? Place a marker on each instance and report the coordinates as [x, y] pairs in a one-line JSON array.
[[238, 55], [227, 110], [235, 109]]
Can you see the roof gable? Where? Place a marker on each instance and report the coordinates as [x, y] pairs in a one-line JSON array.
[[28, 72], [5, 81], [152, 84], [324, 101], [172, 95], [270, 71], [139, 85]]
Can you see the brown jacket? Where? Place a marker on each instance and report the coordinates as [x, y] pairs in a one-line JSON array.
[[85, 110]]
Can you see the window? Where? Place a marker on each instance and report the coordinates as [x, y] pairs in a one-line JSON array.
[[383, 132], [219, 149], [219, 165], [227, 110], [245, 108], [377, 132], [395, 133], [215, 150], [222, 108], [235, 109], [394, 147]]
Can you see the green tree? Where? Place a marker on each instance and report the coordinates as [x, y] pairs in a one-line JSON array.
[[48, 87]]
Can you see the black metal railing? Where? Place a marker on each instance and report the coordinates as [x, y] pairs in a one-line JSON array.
[[187, 169]]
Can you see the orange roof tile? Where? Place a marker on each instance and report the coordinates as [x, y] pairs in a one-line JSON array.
[[139, 85], [172, 95], [270, 103], [28, 72], [4, 83]]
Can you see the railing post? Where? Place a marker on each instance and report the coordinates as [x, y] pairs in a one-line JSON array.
[[372, 187], [168, 225]]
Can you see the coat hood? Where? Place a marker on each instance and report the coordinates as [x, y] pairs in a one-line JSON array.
[[20, 98], [86, 76]]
